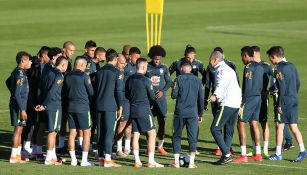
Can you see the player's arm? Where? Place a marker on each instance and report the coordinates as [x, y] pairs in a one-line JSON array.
[[200, 101], [150, 91], [208, 84], [168, 80], [17, 92], [175, 89], [172, 68], [222, 82], [298, 82], [119, 89], [56, 83], [88, 86]]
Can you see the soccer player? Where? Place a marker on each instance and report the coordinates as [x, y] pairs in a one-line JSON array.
[[263, 115], [227, 94], [68, 52], [125, 124], [209, 81], [189, 55], [288, 85], [161, 82], [54, 53], [99, 56], [139, 92], [78, 89], [125, 51], [251, 103], [108, 93], [18, 86], [188, 92], [51, 105]]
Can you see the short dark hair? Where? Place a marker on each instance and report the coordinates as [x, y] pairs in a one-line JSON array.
[[282, 51], [111, 54], [256, 48], [53, 52], [134, 50], [99, 50], [43, 50], [90, 44], [156, 50], [20, 55], [185, 63], [60, 60], [218, 49], [248, 50], [275, 50], [139, 61], [189, 49]]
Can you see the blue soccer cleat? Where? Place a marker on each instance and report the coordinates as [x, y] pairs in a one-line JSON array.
[[275, 157], [300, 157]]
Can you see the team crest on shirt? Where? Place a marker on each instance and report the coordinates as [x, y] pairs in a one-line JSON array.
[[121, 76], [59, 82], [249, 75], [279, 75], [155, 80], [161, 71]]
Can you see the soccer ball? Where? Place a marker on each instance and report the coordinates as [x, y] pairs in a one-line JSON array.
[[184, 160]]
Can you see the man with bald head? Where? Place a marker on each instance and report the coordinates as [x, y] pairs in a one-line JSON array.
[[78, 90]]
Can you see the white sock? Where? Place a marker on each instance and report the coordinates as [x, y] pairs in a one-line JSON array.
[[49, 155], [151, 157], [19, 150], [14, 152], [192, 158], [265, 145], [73, 155], [243, 150], [302, 147], [34, 149], [176, 156], [80, 140], [39, 150], [278, 150], [258, 149], [27, 145], [54, 154], [108, 157], [160, 143], [128, 146], [119, 145], [61, 141], [227, 155], [136, 156], [84, 157]]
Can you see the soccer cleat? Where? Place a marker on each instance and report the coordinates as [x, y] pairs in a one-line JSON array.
[[265, 154], [256, 157], [40, 157], [218, 152], [52, 162], [87, 164], [121, 154], [288, 146], [162, 151], [192, 166], [23, 158], [223, 160], [16, 160], [154, 165], [231, 151], [250, 154], [27, 154], [101, 162], [275, 157], [242, 158], [300, 157], [137, 165], [174, 165], [110, 163], [197, 152], [74, 162]]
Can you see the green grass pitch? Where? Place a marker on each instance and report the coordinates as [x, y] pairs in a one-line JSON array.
[[27, 25]]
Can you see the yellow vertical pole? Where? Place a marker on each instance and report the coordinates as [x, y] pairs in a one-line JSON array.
[[156, 29], [147, 32], [151, 29], [160, 29]]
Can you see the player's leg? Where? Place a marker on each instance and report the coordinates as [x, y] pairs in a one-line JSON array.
[[256, 136], [288, 138], [119, 137], [85, 123], [100, 138], [161, 134], [192, 129], [135, 146], [71, 139], [176, 140], [128, 136], [298, 137]]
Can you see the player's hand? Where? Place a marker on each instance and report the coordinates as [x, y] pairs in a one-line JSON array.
[[240, 113], [23, 116], [119, 113], [159, 94], [279, 110], [40, 108], [200, 120], [206, 108], [213, 98]]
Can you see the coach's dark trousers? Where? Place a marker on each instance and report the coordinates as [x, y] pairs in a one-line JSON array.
[[226, 118]]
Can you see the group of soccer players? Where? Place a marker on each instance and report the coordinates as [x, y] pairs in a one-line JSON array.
[[122, 98]]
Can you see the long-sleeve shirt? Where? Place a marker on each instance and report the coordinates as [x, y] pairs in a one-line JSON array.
[[197, 66], [159, 76], [227, 89], [189, 95]]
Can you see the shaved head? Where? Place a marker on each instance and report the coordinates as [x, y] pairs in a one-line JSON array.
[[80, 63]]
